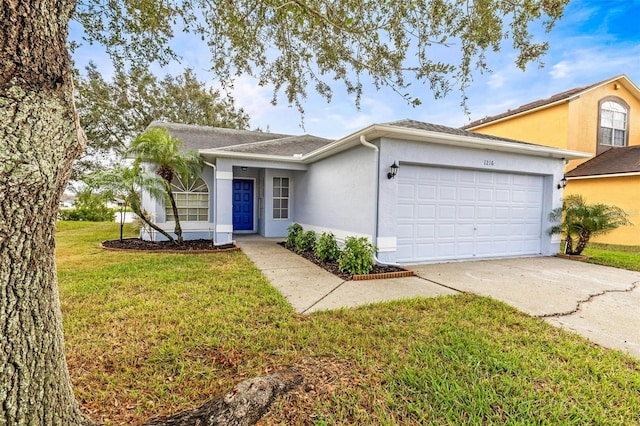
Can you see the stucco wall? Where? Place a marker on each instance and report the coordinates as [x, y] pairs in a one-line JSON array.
[[337, 194], [549, 126], [617, 191]]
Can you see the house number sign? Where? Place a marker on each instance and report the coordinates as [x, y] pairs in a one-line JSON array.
[[488, 162]]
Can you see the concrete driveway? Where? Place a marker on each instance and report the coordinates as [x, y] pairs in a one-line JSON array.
[[598, 302]]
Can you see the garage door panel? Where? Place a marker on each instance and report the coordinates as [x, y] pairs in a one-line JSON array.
[[484, 178], [406, 211], [466, 212], [530, 244], [448, 193], [532, 213], [447, 213], [502, 178], [466, 194], [405, 191], [483, 194], [501, 212], [405, 231], [484, 212], [503, 195], [465, 230], [427, 193], [425, 231], [446, 230], [426, 212], [464, 246], [518, 196], [531, 229]]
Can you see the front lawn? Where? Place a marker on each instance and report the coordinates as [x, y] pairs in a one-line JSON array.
[[152, 334], [626, 257]]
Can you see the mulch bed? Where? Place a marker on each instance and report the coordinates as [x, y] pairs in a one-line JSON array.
[[335, 269], [187, 246]]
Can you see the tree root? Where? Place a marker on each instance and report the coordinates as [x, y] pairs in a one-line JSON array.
[[243, 405]]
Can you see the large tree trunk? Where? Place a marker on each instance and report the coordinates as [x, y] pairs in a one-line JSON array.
[[39, 139]]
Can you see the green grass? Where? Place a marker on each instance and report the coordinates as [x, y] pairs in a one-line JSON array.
[[626, 257], [152, 334]]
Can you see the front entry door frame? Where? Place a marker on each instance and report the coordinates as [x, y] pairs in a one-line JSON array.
[[243, 197]]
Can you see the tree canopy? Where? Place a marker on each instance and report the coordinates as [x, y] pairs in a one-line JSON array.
[[297, 44], [113, 112]]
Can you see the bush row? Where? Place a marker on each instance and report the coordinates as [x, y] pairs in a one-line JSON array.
[[356, 257], [88, 214]]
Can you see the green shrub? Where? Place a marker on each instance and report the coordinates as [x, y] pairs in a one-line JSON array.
[[292, 233], [327, 248], [357, 256], [305, 241], [99, 213]]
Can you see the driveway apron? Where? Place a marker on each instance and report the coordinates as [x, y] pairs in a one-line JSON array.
[[597, 302]]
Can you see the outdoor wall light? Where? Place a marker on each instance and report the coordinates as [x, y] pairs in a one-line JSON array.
[[563, 183], [393, 170]]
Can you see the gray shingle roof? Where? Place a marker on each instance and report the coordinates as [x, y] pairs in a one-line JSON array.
[[612, 161], [285, 146], [249, 141], [205, 137]]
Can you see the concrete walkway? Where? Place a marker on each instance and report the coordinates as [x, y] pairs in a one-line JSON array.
[[310, 288], [598, 302]]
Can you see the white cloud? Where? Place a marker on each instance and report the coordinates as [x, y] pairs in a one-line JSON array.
[[497, 80]]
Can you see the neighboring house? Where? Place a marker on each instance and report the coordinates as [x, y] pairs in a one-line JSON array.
[[456, 195], [602, 119]]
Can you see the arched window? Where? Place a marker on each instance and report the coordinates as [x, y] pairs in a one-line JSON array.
[[192, 200], [613, 124]]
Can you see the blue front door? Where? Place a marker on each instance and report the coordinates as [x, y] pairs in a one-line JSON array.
[[242, 205]]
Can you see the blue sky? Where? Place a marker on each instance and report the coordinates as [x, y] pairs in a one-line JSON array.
[[595, 40]]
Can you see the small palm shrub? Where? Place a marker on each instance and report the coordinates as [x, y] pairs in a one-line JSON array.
[[580, 221], [357, 256], [305, 241], [327, 248], [292, 234]]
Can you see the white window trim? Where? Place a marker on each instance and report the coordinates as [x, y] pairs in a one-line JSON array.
[[612, 129], [167, 205], [288, 198]]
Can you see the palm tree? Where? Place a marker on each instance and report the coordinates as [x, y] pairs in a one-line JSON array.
[[159, 151], [582, 221]]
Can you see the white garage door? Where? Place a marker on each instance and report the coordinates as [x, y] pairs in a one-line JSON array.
[[447, 213]]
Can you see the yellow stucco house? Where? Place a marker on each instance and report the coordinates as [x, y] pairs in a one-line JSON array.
[[602, 119]]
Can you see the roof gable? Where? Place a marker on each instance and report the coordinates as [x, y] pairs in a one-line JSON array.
[[554, 100]]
